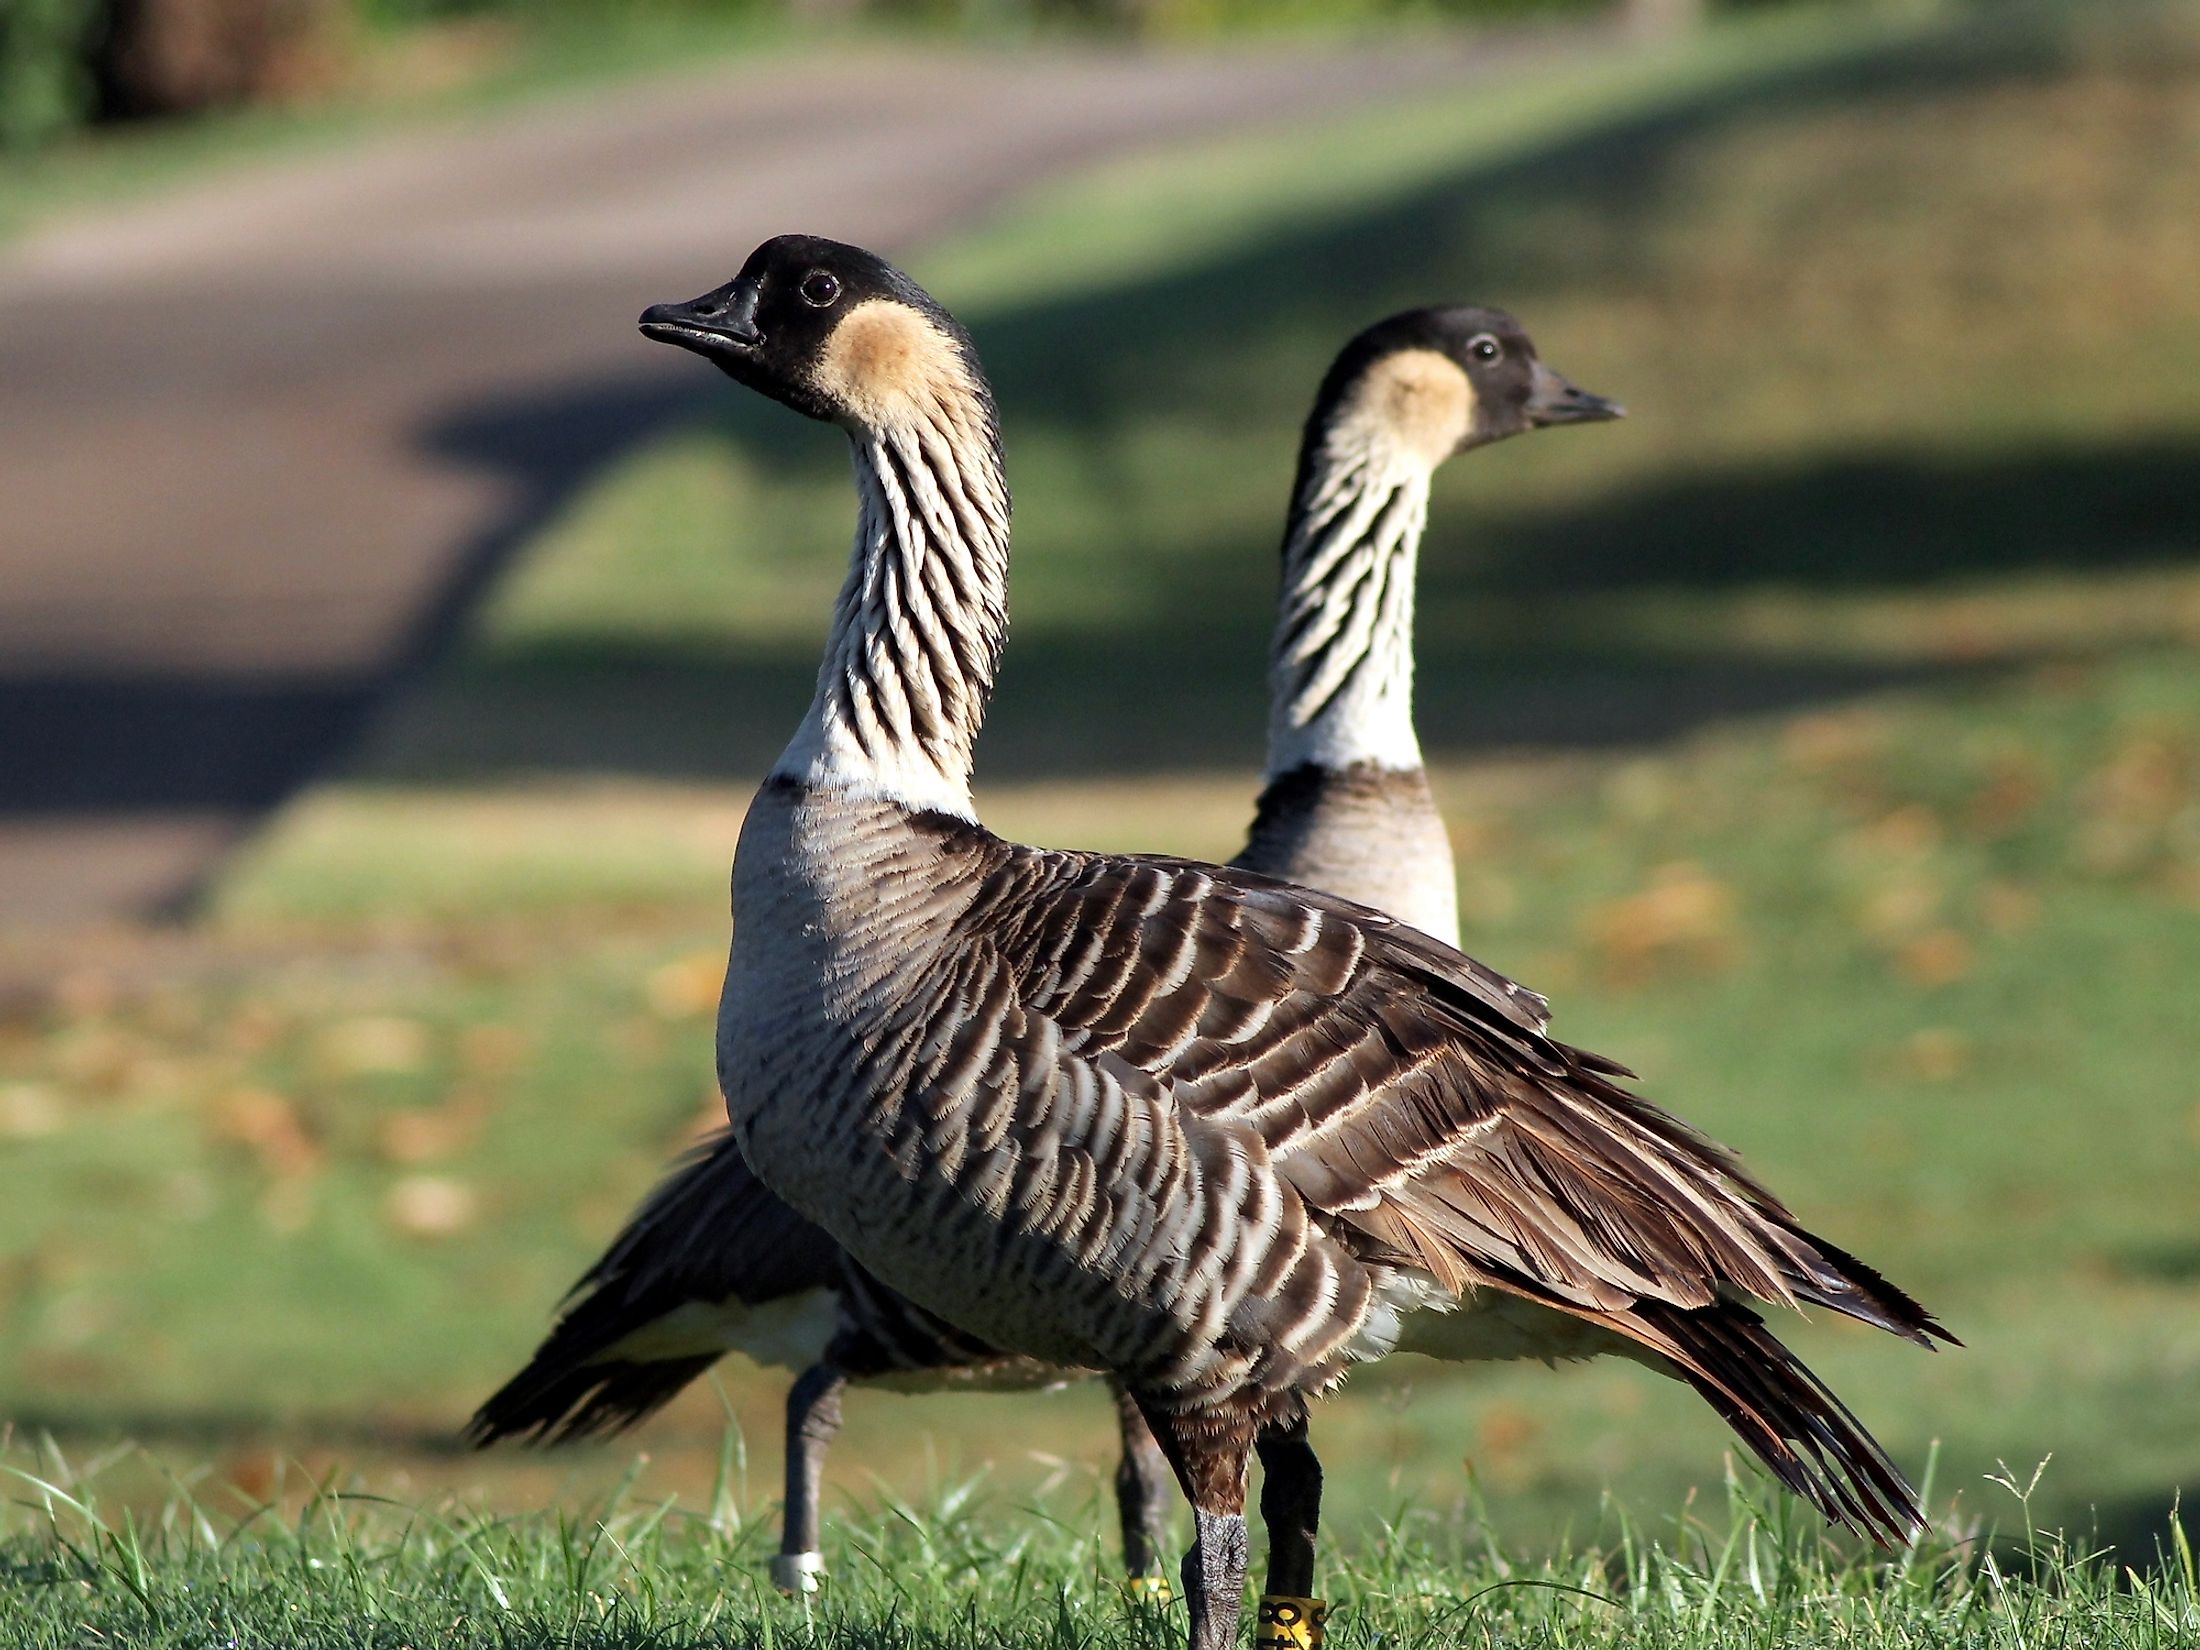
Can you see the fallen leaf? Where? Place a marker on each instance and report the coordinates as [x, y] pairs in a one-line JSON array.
[[1935, 1055], [415, 1137], [382, 1044], [431, 1206], [493, 1050], [1899, 907], [29, 1112], [99, 1059], [1906, 833], [1830, 739], [1506, 1429], [2006, 908], [689, 987], [2012, 791], [1938, 958], [253, 1474], [253, 1029], [1685, 915], [267, 1125]]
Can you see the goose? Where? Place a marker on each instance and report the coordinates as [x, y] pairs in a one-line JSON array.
[[712, 1261], [1218, 1136]]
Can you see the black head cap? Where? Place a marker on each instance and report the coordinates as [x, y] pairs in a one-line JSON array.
[[781, 327]]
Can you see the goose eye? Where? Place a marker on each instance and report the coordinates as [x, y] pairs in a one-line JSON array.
[[1483, 347], [819, 288]]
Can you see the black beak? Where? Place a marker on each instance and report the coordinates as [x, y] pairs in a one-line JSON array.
[[718, 326], [1556, 400]]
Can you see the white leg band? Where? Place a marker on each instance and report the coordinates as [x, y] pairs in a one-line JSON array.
[[797, 1572]]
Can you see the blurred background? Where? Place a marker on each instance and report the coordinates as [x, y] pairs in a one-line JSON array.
[[389, 641]]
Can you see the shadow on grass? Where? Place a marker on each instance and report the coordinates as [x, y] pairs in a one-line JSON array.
[[159, 741], [2161, 1262], [212, 1430], [1872, 520], [2137, 1529], [1078, 708], [1113, 697], [2133, 1531]]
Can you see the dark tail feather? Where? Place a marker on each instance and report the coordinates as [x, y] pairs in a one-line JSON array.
[[1788, 1417], [1856, 1291], [710, 1236], [556, 1401]]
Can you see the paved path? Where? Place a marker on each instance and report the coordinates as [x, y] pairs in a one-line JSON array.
[[263, 440]]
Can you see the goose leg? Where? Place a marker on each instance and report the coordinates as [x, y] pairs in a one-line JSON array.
[[813, 1416], [1290, 1506], [1210, 1449], [1214, 1578], [1141, 1496]]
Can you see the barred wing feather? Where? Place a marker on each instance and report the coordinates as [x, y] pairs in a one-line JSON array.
[[1413, 1103]]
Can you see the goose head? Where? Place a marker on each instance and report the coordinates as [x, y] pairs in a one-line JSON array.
[[835, 332], [1439, 381]]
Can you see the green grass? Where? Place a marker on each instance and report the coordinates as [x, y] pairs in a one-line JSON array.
[[319, 1565], [1823, 739]]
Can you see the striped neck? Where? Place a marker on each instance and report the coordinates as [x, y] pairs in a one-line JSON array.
[[1340, 672], [917, 631]]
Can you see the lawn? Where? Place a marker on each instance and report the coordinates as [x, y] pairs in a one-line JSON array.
[[1824, 739], [635, 1572]]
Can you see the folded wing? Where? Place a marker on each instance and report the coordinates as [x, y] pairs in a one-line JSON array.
[[1413, 1101]]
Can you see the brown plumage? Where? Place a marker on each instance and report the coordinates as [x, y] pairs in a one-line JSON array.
[[700, 1269], [1217, 1135], [1412, 1114]]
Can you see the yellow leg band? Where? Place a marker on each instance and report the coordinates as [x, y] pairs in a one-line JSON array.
[[1286, 1623], [1152, 1589]]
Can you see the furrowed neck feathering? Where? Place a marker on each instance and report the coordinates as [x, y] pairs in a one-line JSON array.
[[1341, 665], [918, 627]]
